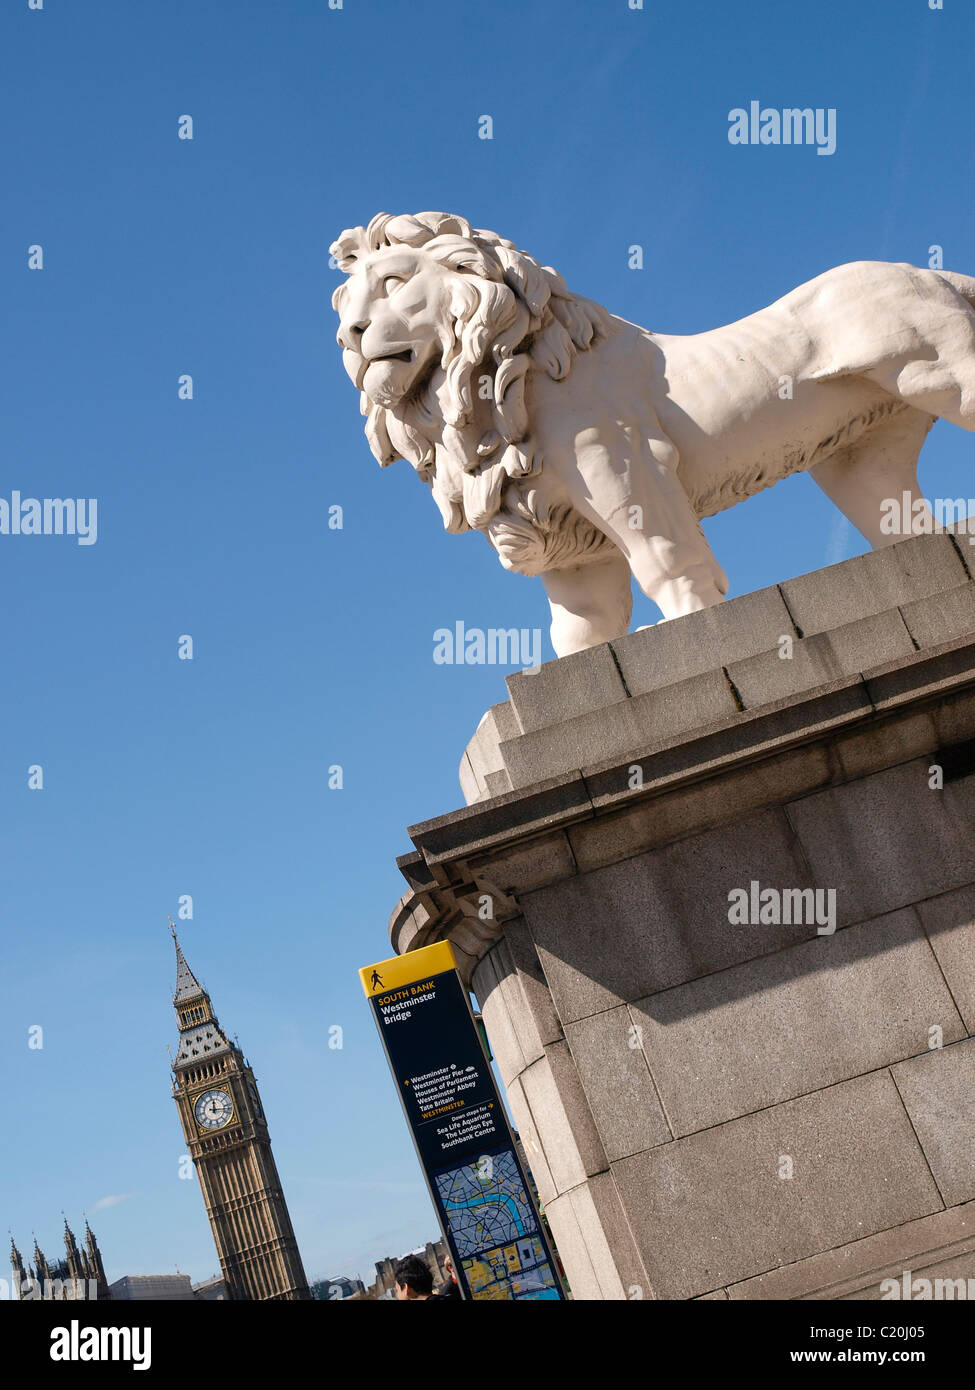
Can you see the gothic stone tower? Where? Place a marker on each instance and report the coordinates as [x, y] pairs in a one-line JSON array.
[[81, 1274], [227, 1136]]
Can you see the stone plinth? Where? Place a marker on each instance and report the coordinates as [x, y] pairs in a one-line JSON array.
[[713, 1109]]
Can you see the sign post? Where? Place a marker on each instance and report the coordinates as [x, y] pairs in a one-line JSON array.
[[459, 1126]]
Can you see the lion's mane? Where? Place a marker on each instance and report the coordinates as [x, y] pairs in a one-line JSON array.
[[513, 316]]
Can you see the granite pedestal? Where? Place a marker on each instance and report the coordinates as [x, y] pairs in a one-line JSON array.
[[715, 1109]]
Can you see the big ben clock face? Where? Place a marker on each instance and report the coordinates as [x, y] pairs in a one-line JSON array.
[[213, 1109]]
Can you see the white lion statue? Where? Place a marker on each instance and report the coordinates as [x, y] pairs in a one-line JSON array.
[[587, 449]]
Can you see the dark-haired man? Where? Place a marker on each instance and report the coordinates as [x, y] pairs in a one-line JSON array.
[[413, 1278]]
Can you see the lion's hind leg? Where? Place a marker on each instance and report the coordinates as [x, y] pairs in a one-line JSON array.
[[864, 478]]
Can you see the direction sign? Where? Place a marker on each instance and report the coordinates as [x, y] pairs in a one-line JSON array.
[[459, 1127]]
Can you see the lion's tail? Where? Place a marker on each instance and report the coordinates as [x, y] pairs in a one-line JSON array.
[[964, 284]]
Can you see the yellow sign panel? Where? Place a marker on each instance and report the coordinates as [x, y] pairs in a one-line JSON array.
[[404, 970]]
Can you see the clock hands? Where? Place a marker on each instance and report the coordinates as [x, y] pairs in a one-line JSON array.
[[214, 1109]]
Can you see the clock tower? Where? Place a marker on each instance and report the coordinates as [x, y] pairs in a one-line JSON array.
[[227, 1137]]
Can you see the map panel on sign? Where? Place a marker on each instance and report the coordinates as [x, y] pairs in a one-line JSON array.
[[518, 1271], [486, 1204]]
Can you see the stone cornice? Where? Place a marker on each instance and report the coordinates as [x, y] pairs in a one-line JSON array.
[[450, 871]]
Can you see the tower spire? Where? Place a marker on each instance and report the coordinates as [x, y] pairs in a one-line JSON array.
[[96, 1267], [187, 985], [200, 1034], [21, 1282], [75, 1262]]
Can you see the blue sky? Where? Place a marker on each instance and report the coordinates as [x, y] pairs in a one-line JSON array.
[[312, 646]]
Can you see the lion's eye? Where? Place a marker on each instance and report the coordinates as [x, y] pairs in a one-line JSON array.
[[392, 280]]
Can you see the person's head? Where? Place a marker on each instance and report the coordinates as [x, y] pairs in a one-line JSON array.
[[413, 1278]]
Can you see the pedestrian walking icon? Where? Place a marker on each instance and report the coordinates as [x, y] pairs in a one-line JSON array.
[[376, 981]]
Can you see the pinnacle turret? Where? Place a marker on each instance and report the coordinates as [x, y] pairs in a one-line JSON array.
[[70, 1244], [96, 1268]]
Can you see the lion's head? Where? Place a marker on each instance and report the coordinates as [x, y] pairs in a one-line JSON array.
[[441, 325]]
